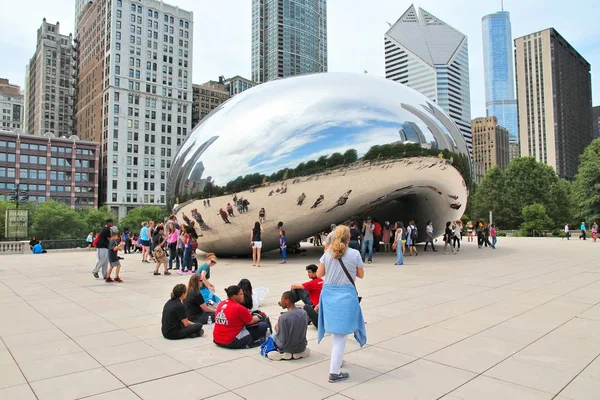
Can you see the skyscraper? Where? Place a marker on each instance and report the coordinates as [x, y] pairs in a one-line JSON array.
[[288, 38], [596, 121], [554, 96], [500, 99], [428, 55], [490, 146], [134, 94], [49, 83]]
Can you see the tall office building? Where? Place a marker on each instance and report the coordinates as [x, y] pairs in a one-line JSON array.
[[238, 84], [79, 8], [11, 106], [207, 97], [430, 56], [490, 146], [49, 83], [288, 38], [134, 94], [554, 96], [500, 99], [596, 121]]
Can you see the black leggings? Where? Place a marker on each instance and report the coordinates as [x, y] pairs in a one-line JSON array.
[[184, 332], [203, 318], [254, 339], [454, 241]]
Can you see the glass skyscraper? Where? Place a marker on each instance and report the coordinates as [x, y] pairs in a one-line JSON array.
[[499, 72], [289, 37]]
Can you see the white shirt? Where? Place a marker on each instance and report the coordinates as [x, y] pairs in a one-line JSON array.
[[430, 229], [566, 228]]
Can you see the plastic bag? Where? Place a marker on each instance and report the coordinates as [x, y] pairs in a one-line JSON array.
[[258, 296]]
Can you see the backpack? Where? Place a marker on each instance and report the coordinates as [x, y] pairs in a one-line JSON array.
[[413, 232]]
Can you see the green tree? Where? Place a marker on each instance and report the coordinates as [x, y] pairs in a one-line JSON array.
[[95, 218], [54, 220], [535, 218], [135, 217], [585, 191], [489, 196]]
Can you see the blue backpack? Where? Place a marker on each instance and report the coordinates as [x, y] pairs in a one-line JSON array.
[[267, 347]]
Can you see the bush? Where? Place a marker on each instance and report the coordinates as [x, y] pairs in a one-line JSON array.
[[535, 218]]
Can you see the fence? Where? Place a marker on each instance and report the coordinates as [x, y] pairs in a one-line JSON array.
[[63, 244], [14, 247]]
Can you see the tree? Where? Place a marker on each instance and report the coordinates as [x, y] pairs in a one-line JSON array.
[[489, 197], [535, 218], [95, 219], [135, 217], [585, 192], [54, 220]]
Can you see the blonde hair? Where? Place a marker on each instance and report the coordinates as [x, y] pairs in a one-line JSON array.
[[341, 238]]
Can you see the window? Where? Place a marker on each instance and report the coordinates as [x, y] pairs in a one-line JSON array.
[[115, 171]]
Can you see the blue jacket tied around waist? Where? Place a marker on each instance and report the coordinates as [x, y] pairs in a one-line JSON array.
[[340, 313]]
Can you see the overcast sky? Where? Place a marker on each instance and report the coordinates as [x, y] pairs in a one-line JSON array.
[[222, 33]]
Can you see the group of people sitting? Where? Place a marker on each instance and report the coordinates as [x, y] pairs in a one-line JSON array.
[[237, 321]]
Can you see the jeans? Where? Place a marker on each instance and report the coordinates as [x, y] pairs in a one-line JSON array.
[[284, 253], [354, 245], [494, 241], [209, 296], [312, 315], [203, 318], [187, 258], [184, 332], [376, 243], [363, 251], [102, 256], [399, 255], [127, 246], [302, 294], [173, 255], [255, 338], [429, 240], [456, 240]]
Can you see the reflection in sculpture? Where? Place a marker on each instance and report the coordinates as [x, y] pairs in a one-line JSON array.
[[318, 149]]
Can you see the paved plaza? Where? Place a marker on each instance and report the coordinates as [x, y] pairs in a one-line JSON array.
[[519, 322]]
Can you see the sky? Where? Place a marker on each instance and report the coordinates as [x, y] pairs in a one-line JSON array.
[[222, 33]]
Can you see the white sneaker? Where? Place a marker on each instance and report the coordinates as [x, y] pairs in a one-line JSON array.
[[304, 354]]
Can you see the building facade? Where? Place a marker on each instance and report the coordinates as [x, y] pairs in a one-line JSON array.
[[500, 99], [49, 168], [514, 150], [49, 83], [596, 122], [207, 97], [238, 84], [135, 94], [490, 146], [554, 98], [289, 37], [428, 55], [11, 106]]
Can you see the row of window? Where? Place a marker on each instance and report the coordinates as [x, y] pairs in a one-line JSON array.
[[151, 14]]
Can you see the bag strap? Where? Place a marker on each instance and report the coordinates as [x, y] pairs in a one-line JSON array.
[[347, 273]]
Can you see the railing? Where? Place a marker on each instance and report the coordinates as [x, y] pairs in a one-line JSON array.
[[13, 247], [63, 244]]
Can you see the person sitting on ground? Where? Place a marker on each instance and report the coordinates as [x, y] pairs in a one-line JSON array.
[[38, 249], [310, 292], [33, 242], [207, 289], [290, 331], [235, 326], [250, 302], [175, 324], [195, 307]]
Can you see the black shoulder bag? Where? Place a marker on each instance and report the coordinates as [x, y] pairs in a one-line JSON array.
[[349, 278]]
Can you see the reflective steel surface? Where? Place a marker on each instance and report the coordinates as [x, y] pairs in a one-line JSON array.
[[312, 137]]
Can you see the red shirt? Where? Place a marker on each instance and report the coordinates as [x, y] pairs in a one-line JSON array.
[[377, 229], [314, 288], [230, 319]]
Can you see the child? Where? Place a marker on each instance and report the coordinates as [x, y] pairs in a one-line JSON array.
[[493, 235], [283, 246], [113, 258]]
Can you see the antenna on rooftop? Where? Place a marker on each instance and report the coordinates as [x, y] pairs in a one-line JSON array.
[[388, 24], [502, 5]]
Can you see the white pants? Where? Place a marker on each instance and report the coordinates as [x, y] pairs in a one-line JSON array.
[[337, 353]]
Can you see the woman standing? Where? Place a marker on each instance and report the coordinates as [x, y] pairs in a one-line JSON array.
[[385, 236], [283, 246], [470, 231], [160, 256], [89, 240], [354, 236], [339, 309], [448, 238], [144, 241], [186, 240], [172, 239], [457, 235], [175, 324], [151, 238], [493, 235], [256, 243], [398, 243]]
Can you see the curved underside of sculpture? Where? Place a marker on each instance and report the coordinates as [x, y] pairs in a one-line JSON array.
[[347, 145]]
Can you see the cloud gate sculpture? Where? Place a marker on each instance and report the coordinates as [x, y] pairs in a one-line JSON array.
[[315, 150]]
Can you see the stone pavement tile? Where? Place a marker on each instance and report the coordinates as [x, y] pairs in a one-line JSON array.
[[59, 310], [460, 356], [10, 375], [26, 323], [119, 394], [205, 356], [6, 359], [137, 321], [189, 385], [463, 325], [33, 338], [411, 345], [582, 388], [292, 365], [376, 335], [109, 354], [493, 346], [74, 386], [580, 328], [147, 369], [146, 332], [319, 374], [381, 387], [59, 365], [227, 396], [105, 339], [170, 346], [45, 350], [377, 359], [487, 388], [20, 392], [285, 387], [592, 313], [593, 370], [531, 375], [508, 334], [254, 371]]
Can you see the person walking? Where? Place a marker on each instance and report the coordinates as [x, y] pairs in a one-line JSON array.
[[89, 240], [354, 236], [582, 229], [144, 241], [160, 240], [224, 216], [448, 238], [256, 243], [367, 242], [339, 309], [594, 231], [429, 236], [283, 246], [493, 235], [102, 249], [398, 243], [262, 216], [385, 236], [567, 233], [412, 235], [456, 234]]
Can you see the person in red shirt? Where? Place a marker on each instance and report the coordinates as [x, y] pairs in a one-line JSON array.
[[235, 326], [310, 292], [376, 236]]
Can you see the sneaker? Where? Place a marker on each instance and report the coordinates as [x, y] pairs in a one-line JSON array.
[[156, 273], [119, 280], [108, 280], [283, 262], [197, 334], [275, 355], [181, 272], [95, 275], [304, 354], [342, 376], [189, 272], [166, 273], [370, 261]]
